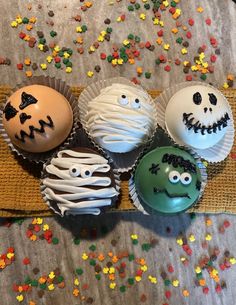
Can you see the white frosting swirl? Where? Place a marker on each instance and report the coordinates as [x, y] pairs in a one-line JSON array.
[[121, 118], [73, 190]]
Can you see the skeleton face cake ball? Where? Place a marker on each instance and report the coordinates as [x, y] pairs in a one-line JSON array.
[[168, 180], [78, 181], [37, 118], [197, 116], [120, 118]]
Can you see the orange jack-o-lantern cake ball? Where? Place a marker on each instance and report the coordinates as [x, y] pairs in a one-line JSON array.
[[37, 118]]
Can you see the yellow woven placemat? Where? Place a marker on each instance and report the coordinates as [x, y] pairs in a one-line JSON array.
[[19, 180]]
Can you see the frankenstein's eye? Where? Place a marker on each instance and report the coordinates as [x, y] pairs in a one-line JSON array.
[[123, 100], [186, 178], [136, 104], [74, 171], [212, 99], [174, 176], [197, 98], [86, 172], [154, 168]]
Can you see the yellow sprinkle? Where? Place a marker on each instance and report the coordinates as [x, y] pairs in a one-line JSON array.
[[19, 20], [214, 272], [112, 270], [43, 66], [166, 3], [105, 270], [166, 47], [178, 11], [14, 24], [201, 56], [183, 259], [10, 255], [114, 62], [100, 38], [118, 19], [126, 42], [156, 21], [138, 278], [45, 227], [191, 238], [66, 55], [103, 33], [198, 270], [205, 163], [51, 275], [78, 29], [68, 69], [57, 48], [200, 9], [120, 61], [112, 285], [142, 16], [161, 23], [40, 46], [179, 241], [208, 237], [226, 86], [184, 51], [49, 60], [175, 283], [144, 268], [51, 287], [20, 298], [205, 64], [194, 68], [90, 73], [76, 282], [152, 279], [134, 236], [84, 256], [232, 260], [91, 49]]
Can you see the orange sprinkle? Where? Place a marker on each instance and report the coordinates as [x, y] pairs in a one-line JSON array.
[[115, 259], [76, 292], [111, 277], [33, 19], [202, 282], [159, 41], [230, 77], [101, 257], [110, 254], [29, 27], [28, 73]]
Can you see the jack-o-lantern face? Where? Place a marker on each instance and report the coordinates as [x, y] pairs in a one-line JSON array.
[[197, 116], [37, 118]]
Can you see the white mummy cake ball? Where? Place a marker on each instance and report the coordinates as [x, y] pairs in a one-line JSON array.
[[78, 182], [121, 118], [197, 116]]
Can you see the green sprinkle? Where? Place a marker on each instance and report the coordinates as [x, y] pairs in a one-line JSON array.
[[137, 6], [18, 220], [27, 280], [131, 257], [199, 275], [130, 8], [43, 286], [147, 75], [179, 40], [137, 39], [65, 61], [210, 263], [122, 288], [61, 53], [25, 20], [98, 277], [122, 50], [60, 279], [156, 5], [69, 51], [84, 28], [147, 6], [124, 57], [167, 282], [109, 58], [55, 240], [157, 61], [173, 3], [131, 36], [146, 247], [134, 241], [109, 30], [34, 283], [69, 64], [92, 262], [92, 248], [79, 271], [58, 65], [203, 76], [42, 40], [53, 33], [131, 281]]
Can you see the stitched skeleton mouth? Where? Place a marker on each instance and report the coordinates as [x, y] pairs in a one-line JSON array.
[[189, 120], [156, 191]]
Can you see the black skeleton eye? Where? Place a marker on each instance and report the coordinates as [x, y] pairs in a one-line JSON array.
[[9, 111], [26, 100], [197, 98], [154, 168], [212, 98]]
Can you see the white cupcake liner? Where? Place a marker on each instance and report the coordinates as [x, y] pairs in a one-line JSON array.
[[214, 154], [84, 211], [59, 86], [142, 207], [123, 162]]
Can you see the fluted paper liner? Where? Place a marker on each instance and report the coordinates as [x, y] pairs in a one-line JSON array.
[[123, 162], [214, 154], [59, 86], [51, 203]]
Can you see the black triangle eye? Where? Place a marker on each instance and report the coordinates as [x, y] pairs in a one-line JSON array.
[[197, 98], [9, 111], [212, 99]]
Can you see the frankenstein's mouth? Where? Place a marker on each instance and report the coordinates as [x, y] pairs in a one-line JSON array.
[[191, 123], [156, 191], [33, 130]]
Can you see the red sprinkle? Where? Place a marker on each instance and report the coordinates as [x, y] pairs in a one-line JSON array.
[[167, 68], [189, 78], [226, 224], [147, 45], [208, 21], [22, 35], [26, 261], [213, 58], [103, 56], [191, 22], [189, 35], [168, 294], [170, 268], [19, 66], [205, 290], [177, 62], [160, 33], [218, 288]]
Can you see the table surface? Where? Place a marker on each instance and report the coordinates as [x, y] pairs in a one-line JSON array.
[[157, 235]]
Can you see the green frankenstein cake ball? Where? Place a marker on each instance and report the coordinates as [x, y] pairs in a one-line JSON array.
[[168, 180]]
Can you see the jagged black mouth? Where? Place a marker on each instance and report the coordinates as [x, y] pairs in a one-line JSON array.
[[33, 129], [189, 119], [156, 191]]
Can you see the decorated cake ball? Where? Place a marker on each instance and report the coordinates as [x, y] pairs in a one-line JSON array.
[[168, 180], [37, 118], [197, 116], [120, 118], [79, 181]]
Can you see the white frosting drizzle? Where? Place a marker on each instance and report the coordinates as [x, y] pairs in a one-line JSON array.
[[67, 190], [120, 127]]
